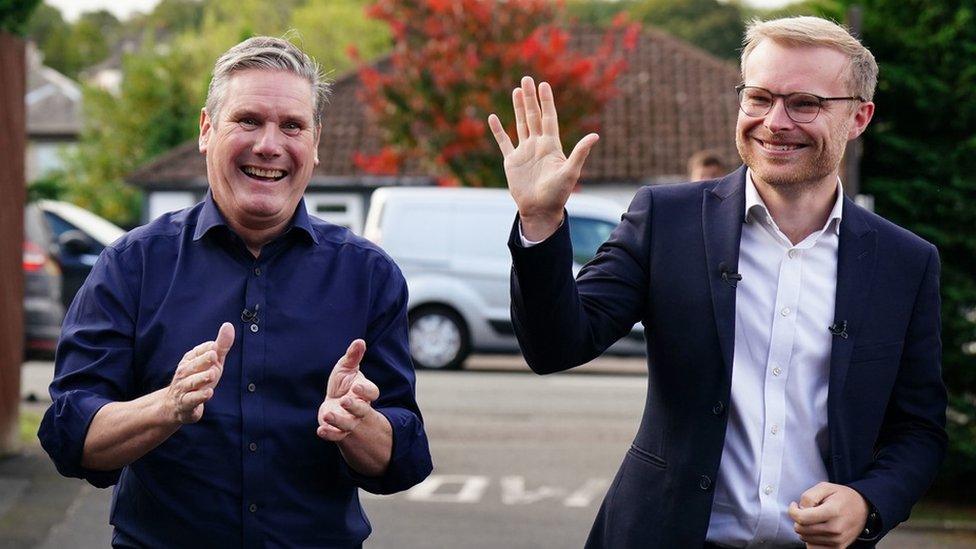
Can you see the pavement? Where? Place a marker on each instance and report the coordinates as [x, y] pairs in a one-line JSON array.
[[511, 468]]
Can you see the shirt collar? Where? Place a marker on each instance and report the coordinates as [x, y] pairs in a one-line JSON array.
[[211, 217], [755, 204]]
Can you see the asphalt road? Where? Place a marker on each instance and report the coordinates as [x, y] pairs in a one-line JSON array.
[[521, 461]]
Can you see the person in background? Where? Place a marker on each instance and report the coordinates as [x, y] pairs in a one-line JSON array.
[[705, 165]]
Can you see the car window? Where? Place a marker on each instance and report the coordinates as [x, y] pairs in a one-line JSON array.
[[59, 226], [587, 235]]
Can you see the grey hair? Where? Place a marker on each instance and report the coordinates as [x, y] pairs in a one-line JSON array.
[[814, 31], [271, 54]]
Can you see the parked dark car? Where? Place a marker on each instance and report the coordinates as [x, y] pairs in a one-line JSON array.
[[43, 307], [79, 236]]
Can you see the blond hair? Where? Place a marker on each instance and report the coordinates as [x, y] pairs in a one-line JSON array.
[[814, 31]]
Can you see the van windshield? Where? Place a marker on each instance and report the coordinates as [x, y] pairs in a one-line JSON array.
[[587, 235]]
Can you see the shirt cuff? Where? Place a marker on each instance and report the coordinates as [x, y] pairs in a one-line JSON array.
[[526, 243], [410, 460]]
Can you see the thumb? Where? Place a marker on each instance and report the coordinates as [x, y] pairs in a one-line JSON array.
[[815, 496], [354, 354], [225, 340], [581, 151]]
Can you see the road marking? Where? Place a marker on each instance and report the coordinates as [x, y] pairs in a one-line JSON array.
[[514, 492], [588, 493], [470, 489]]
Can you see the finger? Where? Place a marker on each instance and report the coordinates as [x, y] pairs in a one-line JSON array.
[[356, 406], [821, 529], [224, 341], [330, 433], [195, 365], [366, 390], [550, 121], [344, 420], [192, 399], [518, 101], [198, 350], [501, 136], [354, 354], [811, 515], [198, 380], [580, 152], [815, 495], [533, 114]]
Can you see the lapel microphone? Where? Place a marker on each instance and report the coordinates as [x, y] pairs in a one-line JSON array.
[[838, 329], [730, 277], [248, 315]]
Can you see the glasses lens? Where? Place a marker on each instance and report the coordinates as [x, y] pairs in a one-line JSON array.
[[802, 107], [755, 101]]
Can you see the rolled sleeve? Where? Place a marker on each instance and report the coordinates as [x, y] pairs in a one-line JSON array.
[[92, 368], [387, 364]]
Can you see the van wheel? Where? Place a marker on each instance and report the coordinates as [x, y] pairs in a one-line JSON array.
[[438, 338]]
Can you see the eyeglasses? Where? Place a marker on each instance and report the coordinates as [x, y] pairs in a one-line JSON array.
[[800, 107]]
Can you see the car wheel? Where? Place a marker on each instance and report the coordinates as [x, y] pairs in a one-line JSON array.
[[438, 338]]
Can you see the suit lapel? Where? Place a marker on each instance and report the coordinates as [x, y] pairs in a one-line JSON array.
[[723, 209], [855, 274]]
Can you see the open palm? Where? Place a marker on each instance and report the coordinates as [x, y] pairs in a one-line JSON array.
[[540, 177]]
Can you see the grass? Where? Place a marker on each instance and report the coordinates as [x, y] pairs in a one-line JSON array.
[[29, 422], [928, 509]]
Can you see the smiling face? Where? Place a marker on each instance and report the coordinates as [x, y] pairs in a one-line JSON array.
[[785, 154], [261, 151]]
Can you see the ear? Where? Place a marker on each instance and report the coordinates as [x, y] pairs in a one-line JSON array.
[[205, 128], [318, 135], [862, 117]]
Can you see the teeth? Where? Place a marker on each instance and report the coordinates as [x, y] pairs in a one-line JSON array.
[[780, 147], [260, 172]]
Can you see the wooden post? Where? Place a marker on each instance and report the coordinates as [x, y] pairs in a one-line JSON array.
[[13, 139]]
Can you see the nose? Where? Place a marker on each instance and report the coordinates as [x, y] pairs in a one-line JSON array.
[[268, 142], [776, 119]]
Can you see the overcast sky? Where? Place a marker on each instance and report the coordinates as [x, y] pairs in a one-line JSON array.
[[123, 8]]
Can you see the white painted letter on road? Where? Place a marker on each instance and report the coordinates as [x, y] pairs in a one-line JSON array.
[[469, 489]]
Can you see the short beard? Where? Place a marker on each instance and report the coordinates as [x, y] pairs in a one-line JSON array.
[[806, 176]]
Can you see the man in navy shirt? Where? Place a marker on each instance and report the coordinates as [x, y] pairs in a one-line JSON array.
[[261, 435]]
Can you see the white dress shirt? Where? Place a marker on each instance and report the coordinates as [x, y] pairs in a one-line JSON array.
[[780, 372]]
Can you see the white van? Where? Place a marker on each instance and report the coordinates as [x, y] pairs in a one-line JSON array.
[[451, 245]]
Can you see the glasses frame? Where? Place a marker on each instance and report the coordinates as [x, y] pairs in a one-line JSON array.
[[786, 97]]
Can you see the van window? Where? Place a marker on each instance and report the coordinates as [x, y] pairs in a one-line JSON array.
[[587, 235]]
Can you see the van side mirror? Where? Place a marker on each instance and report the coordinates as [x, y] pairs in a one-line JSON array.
[[75, 242]]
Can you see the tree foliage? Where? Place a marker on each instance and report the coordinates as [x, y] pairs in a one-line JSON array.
[[920, 165], [453, 63], [165, 80], [714, 26], [14, 14]]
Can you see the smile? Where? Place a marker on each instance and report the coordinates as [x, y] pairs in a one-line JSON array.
[[263, 174], [780, 147]]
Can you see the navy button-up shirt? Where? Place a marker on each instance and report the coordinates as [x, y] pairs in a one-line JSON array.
[[252, 472]]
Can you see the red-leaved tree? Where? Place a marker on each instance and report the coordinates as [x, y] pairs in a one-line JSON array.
[[456, 61]]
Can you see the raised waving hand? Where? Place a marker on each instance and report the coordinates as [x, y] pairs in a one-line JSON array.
[[540, 176]]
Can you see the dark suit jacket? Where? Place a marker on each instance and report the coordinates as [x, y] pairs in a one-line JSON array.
[[886, 403]]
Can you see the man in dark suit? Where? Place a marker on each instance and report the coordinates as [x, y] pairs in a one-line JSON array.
[[794, 392]]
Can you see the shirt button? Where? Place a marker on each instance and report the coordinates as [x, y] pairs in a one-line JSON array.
[[704, 482], [768, 490], [257, 271], [786, 311], [777, 371], [792, 253], [775, 429], [253, 508], [252, 447], [254, 328], [718, 408], [251, 387]]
